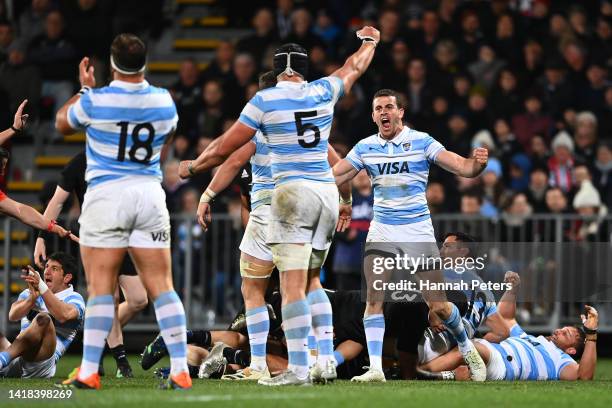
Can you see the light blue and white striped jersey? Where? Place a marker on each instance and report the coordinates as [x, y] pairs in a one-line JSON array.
[[64, 332], [262, 181], [531, 358], [295, 119], [126, 125], [399, 169]]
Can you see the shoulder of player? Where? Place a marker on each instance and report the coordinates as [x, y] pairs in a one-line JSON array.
[[364, 144]]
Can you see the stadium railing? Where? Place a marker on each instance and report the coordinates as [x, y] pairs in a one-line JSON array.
[[206, 266]]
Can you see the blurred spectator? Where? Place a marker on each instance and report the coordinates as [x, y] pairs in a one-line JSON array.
[[559, 30], [486, 68], [220, 68], [436, 198], [462, 83], [56, 58], [394, 76], [187, 95], [471, 36], [602, 173], [576, 58], [532, 62], [578, 21], [437, 123], [585, 137], [244, 71], [140, 17], [32, 20], [587, 203], [20, 80], [538, 185], [471, 203], [493, 188], [423, 41], [301, 30], [520, 167], [484, 138], [80, 19], [328, 31], [189, 200], [558, 93], [591, 96], [505, 99], [539, 152], [284, 10], [446, 11], [556, 202], [605, 115], [445, 64], [478, 114], [532, 121], [507, 145], [7, 37], [601, 44], [561, 164], [516, 225], [351, 114], [181, 148], [418, 92], [458, 139], [210, 119], [264, 36], [389, 26], [349, 244], [506, 42]]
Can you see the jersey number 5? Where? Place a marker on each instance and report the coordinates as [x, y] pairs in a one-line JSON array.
[[303, 127], [137, 142]]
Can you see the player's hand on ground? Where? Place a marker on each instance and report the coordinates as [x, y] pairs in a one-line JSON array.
[[21, 118], [591, 319], [40, 252], [184, 169], [344, 220], [204, 215], [481, 155], [512, 278], [462, 373], [369, 32], [86, 73]]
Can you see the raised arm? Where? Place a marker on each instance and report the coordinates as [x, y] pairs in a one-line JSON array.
[[462, 166], [358, 62], [19, 122], [87, 79], [502, 321], [586, 369], [54, 208], [30, 216], [61, 311]]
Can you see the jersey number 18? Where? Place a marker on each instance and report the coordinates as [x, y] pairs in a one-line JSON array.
[[137, 142]]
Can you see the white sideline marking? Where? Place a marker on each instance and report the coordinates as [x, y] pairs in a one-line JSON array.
[[210, 398]]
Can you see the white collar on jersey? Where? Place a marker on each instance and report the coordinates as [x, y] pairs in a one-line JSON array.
[[400, 138], [66, 291], [290, 84], [131, 86]]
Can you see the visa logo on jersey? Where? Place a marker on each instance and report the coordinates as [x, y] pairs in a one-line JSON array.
[[393, 168]]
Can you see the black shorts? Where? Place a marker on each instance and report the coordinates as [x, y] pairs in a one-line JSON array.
[[127, 267]]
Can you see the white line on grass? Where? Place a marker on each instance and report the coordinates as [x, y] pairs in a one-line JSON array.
[[250, 397]]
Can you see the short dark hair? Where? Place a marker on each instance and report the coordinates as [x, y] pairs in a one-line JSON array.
[[470, 241], [267, 80], [472, 193], [399, 99], [68, 262], [129, 53]]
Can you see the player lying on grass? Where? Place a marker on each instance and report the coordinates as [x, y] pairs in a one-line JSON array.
[[230, 351], [521, 356], [51, 312]]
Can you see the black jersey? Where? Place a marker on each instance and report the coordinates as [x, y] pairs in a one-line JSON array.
[[73, 176], [246, 181]]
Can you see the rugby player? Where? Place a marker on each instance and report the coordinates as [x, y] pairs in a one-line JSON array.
[[51, 313], [295, 117], [397, 159], [522, 356], [124, 210], [73, 181]]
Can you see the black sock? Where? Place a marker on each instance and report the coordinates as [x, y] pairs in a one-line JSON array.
[[200, 338], [120, 354], [239, 357], [193, 371]]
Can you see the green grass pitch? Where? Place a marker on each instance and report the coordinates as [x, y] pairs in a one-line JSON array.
[[141, 392]]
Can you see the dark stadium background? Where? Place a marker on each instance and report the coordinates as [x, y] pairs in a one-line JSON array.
[[529, 79]]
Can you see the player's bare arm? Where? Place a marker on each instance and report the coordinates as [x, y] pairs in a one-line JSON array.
[[19, 122], [586, 369], [345, 190], [344, 171], [33, 218], [501, 322], [53, 210], [359, 62], [61, 311], [87, 79], [462, 166], [21, 308], [222, 179]]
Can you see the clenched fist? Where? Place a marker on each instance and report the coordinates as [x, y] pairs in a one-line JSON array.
[[481, 155]]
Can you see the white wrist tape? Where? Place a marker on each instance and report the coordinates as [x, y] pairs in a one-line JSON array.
[[42, 286], [207, 196]]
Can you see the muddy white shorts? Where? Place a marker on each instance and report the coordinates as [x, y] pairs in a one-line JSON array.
[[125, 214], [256, 234]]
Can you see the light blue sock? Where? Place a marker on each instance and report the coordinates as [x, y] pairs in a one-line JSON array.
[[296, 325], [374, 326], [258, 326], [171, 319], [454, 324], [5, 359], [322, 324], [339, 358], [99, 315]]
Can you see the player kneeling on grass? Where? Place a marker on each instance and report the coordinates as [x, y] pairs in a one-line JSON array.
[[522, 356], [51, 313]]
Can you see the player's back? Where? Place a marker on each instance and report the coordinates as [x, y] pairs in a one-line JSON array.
[[295, 119], [126, 126]]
